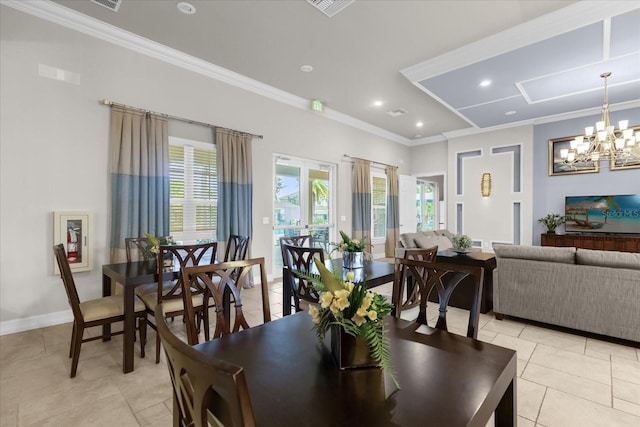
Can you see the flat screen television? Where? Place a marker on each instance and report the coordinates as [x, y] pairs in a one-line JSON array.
[[603, 214]]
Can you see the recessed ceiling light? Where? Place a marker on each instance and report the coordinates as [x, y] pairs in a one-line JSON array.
[[377, 103], [485, 83], [419, 124], [418, 136], [307, 68], [186, 8], [510, 113]]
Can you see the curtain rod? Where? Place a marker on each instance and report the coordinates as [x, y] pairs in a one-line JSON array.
[[168, 116], [370, 161]]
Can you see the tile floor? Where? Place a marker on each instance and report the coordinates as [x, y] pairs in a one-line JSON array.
[[564, 379]]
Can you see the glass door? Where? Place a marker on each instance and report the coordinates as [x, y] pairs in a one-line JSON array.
[[426, 205], [303, 203]]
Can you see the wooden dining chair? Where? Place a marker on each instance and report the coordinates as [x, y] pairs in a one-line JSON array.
[[203, 386], [236, 248], [223, 284], [136, 246], [169, 289], [300, 240], [300, 259], [443, 278], [413, 292], [95, 312]]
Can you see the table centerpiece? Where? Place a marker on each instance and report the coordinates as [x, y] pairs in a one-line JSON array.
[[153, 249], [461, 243], [354, 316], [352, 251]]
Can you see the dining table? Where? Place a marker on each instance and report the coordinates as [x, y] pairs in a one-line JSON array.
[[130, 275], [444, 379], [373, 273]]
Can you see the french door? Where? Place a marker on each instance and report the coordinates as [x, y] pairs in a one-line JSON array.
[[303, 203]]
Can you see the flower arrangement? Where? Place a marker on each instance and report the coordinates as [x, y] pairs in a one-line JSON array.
[[552, 221], [152, 251], [349, 245], [354, 308], [461, 242]]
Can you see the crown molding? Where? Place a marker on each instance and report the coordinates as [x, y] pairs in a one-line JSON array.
[[76, 21]]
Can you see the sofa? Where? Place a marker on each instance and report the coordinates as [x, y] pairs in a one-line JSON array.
[[588, 290], [424, 239]]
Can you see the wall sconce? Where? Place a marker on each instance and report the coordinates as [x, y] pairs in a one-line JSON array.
[[485, 184]]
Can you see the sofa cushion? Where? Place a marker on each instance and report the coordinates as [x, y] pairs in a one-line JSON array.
[[406, 240], [537, 253], [422, 241], [608, 259]]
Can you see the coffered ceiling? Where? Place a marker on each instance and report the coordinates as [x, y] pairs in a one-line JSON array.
[[542, 58]]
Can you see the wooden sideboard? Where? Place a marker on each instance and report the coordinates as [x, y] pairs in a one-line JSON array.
[[608, 242]]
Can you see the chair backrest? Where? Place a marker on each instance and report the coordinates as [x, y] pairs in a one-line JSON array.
[[444, 278], [236, 248], [413, 292], [203, 384], [422, 254], [67, 279], [306, 240], [184, 256], [139, 244], [297, 258], [220, 281]]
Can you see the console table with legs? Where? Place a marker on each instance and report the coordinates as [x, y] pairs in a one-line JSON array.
[[602, 242]]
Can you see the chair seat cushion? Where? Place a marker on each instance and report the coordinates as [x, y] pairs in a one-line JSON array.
[[106, 307], [171, 305]]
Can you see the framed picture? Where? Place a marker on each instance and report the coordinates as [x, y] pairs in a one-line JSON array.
[[73, 230], [626, 163], [557, 166]]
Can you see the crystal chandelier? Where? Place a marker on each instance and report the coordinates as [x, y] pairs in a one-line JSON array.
[[614, 145]]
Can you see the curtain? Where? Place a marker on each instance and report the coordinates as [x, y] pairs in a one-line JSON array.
[[139, 177], [361, 202], [393, 212], [235, 183]]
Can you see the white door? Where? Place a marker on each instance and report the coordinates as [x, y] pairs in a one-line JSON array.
[[304, 203], [407, 201]]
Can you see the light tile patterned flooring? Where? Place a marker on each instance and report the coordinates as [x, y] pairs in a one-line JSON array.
[[564, 379]]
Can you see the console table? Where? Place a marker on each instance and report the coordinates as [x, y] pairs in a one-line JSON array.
[[602, 242]]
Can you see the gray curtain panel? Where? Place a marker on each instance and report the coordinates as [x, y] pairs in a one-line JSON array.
[[235, 183], [361, 202], [393, 212], [139, 177]]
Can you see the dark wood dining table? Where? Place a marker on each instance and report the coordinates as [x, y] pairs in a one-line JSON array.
[[130, 275], [373, 273], [445, 379]]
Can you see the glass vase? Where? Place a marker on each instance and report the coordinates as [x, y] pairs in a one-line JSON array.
[[351, 260]]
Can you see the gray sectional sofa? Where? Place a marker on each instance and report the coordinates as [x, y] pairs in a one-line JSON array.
[[588, 290], [424, 239]]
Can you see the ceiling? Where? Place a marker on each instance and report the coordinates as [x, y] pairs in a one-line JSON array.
[[543, 58]]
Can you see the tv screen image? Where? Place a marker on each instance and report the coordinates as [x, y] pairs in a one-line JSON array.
[[603, 214]]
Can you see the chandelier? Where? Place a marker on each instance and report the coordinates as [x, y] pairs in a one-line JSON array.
[[607, 143]]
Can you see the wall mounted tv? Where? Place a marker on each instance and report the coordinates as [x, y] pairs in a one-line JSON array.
[[603, 214]]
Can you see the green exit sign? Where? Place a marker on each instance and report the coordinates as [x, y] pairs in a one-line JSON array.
[[317, 105]]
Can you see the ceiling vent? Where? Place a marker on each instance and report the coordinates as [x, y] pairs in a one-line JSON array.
[[330, 7], [396, 112], [113, 5]]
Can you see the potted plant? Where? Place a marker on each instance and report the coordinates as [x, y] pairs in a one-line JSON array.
[[552, 221], [461, 243]]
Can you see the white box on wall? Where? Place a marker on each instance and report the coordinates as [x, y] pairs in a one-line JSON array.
[[74, 231]]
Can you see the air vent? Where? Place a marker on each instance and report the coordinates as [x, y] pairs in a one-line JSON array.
[[113, 5], [330, 7], [397, 112]]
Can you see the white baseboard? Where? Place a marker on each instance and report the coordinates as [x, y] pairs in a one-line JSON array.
[[35, 322]]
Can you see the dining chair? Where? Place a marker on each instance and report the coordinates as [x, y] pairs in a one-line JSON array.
[[169, 289], [299, 240], [139, 246], [222, 282], [444, 278], [236, 248], [95, 312], [203, 386], [300, 259], [413, 294]]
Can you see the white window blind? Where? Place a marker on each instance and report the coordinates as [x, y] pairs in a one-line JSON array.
[[378, 206], [194, 190]]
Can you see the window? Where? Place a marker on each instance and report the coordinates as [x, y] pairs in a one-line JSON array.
[[194, 190], [379, 206]]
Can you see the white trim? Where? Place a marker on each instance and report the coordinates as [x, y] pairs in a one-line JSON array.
[[76, 21], [35, 322]]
